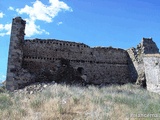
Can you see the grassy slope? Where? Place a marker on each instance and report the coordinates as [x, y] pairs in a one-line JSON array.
[[62, 102]]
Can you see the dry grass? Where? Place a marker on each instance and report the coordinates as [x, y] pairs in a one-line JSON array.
[[62, 102]]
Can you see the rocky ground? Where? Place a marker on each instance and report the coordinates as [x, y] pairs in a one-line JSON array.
[[40, 86], [35, 88]]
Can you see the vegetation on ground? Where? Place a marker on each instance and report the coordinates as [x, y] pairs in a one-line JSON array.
[[62, 102]]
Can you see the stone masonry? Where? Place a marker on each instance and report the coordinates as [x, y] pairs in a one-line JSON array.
[[15, 53], [46, 60], [152, 71], [147, 46]]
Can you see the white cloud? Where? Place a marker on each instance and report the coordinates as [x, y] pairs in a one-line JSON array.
[[11, 8], [6, 29], [37, 11], [1, 26], [1, 14], [32, 29], [59, 23], [41, 12], [2, 78]]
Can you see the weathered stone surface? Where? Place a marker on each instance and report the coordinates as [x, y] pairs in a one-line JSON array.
[[62, 61], [15, 53], [141, 80], [152, 71], [97, 63], [46, 60], [35, 88], [147, 46]]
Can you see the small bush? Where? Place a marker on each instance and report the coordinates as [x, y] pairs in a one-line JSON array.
[[47, 94], [5, 102], [2, 89], [151, 108], [98, 100], [129, 101], [75, 100], [36, 103], [61, 109]]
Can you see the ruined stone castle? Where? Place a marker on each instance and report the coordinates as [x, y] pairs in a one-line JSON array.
[[46, 60]]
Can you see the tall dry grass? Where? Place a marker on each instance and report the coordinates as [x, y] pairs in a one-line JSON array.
[[61, 102]]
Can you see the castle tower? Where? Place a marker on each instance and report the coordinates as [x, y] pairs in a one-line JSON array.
[[149, 46], [15, 53]]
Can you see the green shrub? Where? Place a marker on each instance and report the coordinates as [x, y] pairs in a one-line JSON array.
[[2, 89], [75, 100], [5, 102], [47, 94], [36, 103], [129, 101]]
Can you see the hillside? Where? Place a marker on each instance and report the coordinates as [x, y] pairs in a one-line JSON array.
[[59, 102]]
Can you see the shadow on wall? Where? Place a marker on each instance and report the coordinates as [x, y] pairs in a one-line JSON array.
[[133, 71], [68, 75]]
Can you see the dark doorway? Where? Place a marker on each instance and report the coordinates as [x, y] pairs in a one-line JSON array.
[[80, 70]]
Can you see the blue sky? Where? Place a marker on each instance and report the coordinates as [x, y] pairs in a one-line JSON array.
[[116, 23]]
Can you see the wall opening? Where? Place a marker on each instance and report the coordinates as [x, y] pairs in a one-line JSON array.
[[80, 70]]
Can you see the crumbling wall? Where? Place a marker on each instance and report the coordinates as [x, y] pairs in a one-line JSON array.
[[152, 72], [15, 53], [16, 75], [41, 60], [100, 65], [147, 46]]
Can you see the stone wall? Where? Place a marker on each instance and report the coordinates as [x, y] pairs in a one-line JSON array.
[[46, 60], [62, 61], [147, 46], [152, 71], [15, 53], [100, 65]]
